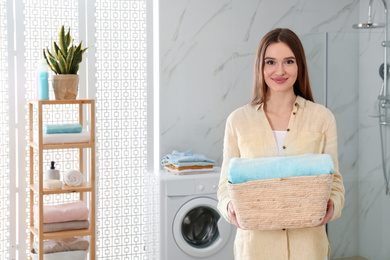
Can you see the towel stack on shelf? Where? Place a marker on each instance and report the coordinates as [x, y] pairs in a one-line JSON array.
[[187, 162], [62, 245], [68, 216], [63, 133]]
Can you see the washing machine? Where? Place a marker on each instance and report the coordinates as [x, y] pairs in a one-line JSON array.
[[191, 227]]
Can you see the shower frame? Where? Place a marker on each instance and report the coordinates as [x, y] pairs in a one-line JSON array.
[[383, 97]]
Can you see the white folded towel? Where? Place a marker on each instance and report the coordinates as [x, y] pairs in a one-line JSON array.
[[73, 178], [83, 137]]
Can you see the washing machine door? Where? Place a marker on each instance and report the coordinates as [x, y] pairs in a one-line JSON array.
[[198, 228]]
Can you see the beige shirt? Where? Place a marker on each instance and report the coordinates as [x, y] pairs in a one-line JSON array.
[[311, 129]]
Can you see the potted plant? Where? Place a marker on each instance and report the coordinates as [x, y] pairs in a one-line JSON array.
[[64, 60]]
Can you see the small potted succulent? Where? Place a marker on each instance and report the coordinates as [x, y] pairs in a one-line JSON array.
[[64, 60]]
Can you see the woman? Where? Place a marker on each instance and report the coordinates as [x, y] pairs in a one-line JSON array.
[[281, 120]]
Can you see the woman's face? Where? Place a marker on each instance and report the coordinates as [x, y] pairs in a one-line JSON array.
[[280, 68]]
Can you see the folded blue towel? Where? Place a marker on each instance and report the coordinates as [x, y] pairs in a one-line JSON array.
[[250, 169], [62, 128], [178, 158]]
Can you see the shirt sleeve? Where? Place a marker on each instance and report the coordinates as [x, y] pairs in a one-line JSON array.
[[230, 150], [338, 191]]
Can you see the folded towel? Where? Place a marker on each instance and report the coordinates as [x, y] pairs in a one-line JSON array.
[[62, 212], [66, 138], [62, 226], [249, 169], [62, 245], [189, 158], [62, 128], [186, 164], [73, 178], [188, 171]]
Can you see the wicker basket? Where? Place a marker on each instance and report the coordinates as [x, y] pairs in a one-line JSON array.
[[73, 255], [270, 204]]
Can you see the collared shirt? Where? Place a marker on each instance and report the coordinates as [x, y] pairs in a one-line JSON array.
[[248, 134]]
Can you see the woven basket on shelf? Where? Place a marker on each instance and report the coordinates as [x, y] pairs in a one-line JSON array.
[[270, 204]]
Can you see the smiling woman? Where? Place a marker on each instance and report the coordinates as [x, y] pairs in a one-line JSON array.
[[281, 120]]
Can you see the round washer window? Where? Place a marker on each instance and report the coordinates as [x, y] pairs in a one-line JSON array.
[[200, 227]]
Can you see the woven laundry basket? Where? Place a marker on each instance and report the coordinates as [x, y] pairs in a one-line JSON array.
[[292, 202], [68, 255]]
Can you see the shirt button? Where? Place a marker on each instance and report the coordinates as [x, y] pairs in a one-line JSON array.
[[284, 147], [284, 229], [296, 104], [294, 113], [288, 129]]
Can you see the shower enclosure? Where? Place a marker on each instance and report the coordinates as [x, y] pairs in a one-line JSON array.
[[383, 103], [344, 76]]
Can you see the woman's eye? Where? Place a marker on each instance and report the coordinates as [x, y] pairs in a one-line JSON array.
[[290, 62], [270, 62]]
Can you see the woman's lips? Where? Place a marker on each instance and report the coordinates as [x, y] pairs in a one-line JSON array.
[[279, 80]]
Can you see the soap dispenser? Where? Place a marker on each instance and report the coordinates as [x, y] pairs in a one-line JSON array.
[[52, 174]]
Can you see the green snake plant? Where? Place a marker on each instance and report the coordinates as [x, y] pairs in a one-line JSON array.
[[64, 57]]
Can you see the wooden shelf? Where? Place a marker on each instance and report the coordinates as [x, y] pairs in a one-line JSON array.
[[63, 102], [85, 187], [62, 234], [61, 146], [37, 191]]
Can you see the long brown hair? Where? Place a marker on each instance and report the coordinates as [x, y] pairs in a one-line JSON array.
[[301, 85]]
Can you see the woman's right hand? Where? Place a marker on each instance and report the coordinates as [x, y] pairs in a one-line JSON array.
[[232, 214]]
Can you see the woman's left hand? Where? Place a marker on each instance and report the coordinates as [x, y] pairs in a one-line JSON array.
[[329, 213]]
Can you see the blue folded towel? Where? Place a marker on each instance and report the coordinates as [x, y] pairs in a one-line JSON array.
[[185, 158], [249, 169], [62, 128]]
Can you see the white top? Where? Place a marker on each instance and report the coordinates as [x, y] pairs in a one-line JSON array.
[[279, 136]]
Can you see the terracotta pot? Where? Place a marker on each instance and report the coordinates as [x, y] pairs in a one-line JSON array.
[[66, 86]]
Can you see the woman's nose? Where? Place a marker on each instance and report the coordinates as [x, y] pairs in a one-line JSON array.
[[279, 70]]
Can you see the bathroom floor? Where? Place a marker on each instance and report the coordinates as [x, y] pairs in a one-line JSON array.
[[351, 258]]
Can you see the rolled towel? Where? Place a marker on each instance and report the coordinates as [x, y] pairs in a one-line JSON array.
[[52, 184], [73, 178], [61, 226], [62, 128], [249, 169], [62, 212], [62, 245]]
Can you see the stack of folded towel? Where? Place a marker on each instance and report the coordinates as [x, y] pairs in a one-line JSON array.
[[187, 162], [64, 133], [250, 169], [68, 216], [62, 245]]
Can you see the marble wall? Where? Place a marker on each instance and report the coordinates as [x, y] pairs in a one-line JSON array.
[[207, 51], [374, 204]]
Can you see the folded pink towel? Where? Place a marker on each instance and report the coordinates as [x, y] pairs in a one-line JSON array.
[[62, 212], [61, 226]]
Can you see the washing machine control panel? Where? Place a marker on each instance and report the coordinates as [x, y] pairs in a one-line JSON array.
[[205, 183], [203, 186]]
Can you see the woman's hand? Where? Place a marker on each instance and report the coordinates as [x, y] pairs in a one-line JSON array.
[[232, 214], [329, 213]]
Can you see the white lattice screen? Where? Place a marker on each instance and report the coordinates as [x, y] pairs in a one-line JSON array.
[[4, 138], [127, 206], [126, 202]]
